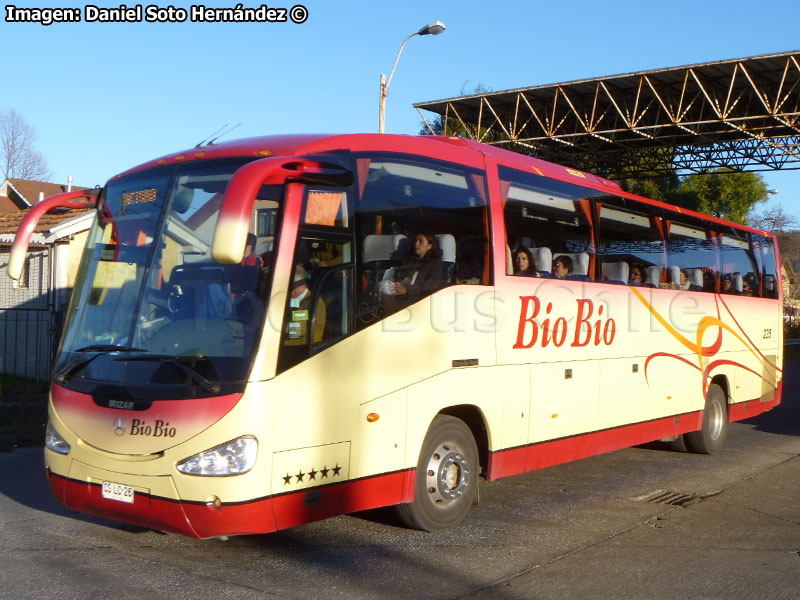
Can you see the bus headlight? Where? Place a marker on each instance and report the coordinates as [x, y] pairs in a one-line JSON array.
[[54, 441], [231, 458]]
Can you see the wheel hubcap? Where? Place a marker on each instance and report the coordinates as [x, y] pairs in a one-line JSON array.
[[447, 474], [716, 420]]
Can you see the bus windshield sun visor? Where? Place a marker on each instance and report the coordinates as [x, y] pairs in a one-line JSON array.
[[230, 235]]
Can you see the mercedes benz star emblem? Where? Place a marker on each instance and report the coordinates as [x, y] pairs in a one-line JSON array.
[[119, 427]]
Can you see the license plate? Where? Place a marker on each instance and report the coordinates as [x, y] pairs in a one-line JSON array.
[[117, 491]]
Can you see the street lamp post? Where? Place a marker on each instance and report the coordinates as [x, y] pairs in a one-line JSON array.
[[434, 28]]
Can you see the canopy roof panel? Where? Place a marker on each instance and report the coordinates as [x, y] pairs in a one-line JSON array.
[[741, 113]]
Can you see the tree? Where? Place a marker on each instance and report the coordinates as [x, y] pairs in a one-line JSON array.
[[19, 159], [453, 125], [657, 187], [723, 193], [772, 218], [775, 219]]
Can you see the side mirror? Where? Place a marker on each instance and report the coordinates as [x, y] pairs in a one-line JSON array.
[[68, 200], [230, 235]]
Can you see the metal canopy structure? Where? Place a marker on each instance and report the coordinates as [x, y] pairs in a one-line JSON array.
[[743, 114]]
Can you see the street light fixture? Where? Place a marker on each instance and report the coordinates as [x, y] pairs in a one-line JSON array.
[[434, 28]]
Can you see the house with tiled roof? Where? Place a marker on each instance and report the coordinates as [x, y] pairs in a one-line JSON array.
[[19, 194], [32, 309]]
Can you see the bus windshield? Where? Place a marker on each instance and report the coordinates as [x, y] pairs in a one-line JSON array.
[[152, 309]]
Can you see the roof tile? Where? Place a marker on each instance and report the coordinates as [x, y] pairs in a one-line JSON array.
[[30, 189], [9, 222], [7, 205]]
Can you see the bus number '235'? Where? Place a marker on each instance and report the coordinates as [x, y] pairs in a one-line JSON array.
[[600, 330]]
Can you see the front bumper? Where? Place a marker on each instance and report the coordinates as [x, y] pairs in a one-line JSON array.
[[194, 519]]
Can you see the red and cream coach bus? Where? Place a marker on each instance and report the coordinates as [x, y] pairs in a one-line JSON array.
[[276, 330]]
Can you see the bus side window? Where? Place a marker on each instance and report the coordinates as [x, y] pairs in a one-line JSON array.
[[691, 248], [631, 234], [739, 265], [764, 252], [548, 218], [405, 198]]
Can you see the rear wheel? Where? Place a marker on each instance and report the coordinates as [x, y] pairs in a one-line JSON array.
[[712, 436], [446, 479]]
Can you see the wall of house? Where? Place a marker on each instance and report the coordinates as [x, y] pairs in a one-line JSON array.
[[31, 290], [76, 246]]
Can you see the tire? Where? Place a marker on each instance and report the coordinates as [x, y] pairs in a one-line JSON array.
[[711, 437], [446, 478]]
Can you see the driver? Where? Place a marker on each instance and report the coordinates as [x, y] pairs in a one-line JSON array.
[[300, 313]]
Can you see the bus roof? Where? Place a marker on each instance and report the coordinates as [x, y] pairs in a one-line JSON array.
[[288, 145], [453, 148]]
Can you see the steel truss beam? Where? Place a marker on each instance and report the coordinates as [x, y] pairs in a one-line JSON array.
[[743, 114]]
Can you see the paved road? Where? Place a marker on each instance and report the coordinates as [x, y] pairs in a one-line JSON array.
[[581, 530]]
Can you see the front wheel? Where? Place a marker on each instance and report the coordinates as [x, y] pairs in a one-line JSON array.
[[446, 479], [711, 437]]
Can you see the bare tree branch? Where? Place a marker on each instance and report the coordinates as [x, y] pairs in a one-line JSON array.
[[772, 217], [18, 158]]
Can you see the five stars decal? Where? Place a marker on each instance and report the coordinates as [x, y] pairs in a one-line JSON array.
[[324, 472]]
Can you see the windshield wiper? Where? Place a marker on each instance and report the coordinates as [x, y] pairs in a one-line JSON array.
[[81, 361], [109, 348], [193, 374]]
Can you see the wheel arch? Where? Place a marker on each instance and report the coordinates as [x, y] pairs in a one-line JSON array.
[[713, 431], [723, 382], [473, 417]]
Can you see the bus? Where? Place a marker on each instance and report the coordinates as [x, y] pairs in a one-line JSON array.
[[276, 330]]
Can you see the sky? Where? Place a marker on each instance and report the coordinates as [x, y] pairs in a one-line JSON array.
[[105, 97]]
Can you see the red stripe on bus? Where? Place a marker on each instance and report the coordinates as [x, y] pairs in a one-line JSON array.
[[746, 410], [554, 452], [321, 503], [145, 511], [598, 442], [264, 515], [288, 510], [206, 410]]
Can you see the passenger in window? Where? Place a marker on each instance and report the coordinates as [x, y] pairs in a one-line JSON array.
[[710, 281], [727, 284], [637, 276], [300, 312], [243, 277], [421, 274], [562, 267], [684, 281], [251, 259], [523, 263], [748, 285], [245, 281]]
